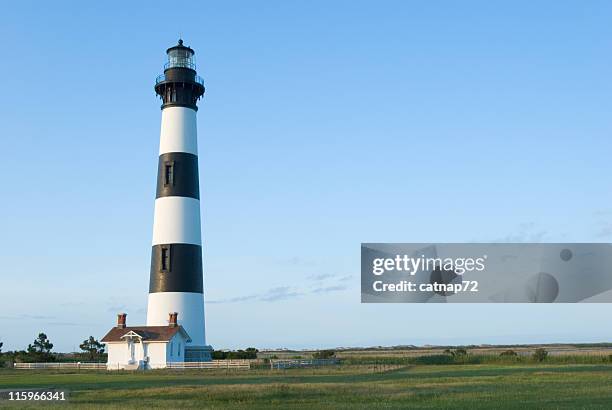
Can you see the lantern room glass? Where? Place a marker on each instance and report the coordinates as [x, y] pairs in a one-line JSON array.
[[181, 57]]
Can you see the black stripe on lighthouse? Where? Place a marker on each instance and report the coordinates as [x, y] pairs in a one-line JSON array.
[[176, 268], [177, 175]]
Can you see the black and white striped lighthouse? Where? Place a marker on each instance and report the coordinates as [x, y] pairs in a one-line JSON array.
[[176, 281]]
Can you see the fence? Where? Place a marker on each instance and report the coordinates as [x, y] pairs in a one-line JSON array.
[[84, 366], [291, 363], [215, 364]]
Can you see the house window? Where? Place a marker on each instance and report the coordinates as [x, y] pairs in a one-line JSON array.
[[165, 259], [179, 349], [171, 348], [168, 173]]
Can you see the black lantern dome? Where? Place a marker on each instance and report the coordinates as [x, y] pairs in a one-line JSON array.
[[179, 85]]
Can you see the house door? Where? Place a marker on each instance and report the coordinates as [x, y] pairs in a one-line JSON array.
[[132, 347]]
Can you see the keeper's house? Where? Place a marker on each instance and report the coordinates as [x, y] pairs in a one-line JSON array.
[[145, 347]]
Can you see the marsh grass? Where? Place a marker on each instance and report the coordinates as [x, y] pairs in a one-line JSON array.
[[474, 386], [447, 359]]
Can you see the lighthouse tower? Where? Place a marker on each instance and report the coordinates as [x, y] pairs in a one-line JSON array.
[[176, 281]]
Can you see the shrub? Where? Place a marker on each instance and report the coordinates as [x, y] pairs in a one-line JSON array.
[[249, 353], [324, 354], [508, 353], [434, 359], [460, 352], [540, 354]]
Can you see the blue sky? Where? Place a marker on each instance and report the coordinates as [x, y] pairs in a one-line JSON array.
[[324, 125]]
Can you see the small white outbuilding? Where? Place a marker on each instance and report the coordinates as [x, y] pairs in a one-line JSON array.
[[145, 347]]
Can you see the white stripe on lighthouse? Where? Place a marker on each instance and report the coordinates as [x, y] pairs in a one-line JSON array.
[[177, 220], [178, 131], [190, 307]]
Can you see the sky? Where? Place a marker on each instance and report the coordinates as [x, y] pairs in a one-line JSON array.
[[324, 125]]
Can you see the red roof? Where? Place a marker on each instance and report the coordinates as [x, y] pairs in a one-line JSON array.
[[148, 333]]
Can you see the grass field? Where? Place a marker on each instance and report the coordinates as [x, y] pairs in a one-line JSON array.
[[450, 386]]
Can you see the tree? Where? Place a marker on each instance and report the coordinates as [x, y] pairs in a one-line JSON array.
[[1, 344], [510, 353], [92, 348], [41, 349], [251, 353], [540, 354]]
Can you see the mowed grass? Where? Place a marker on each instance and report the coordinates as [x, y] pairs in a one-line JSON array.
[[451, 386]]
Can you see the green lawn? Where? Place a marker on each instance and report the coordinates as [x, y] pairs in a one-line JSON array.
[[451, 386]]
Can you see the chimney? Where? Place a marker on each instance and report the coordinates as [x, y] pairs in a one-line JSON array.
[[121, 320], [173, 321]]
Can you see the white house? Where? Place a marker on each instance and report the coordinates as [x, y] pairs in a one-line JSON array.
[[145, 347]]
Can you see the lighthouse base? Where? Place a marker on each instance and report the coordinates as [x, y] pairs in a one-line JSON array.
[[190, 309], [198, 353]]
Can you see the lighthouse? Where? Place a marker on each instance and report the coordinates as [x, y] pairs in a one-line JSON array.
[[176, 279]]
